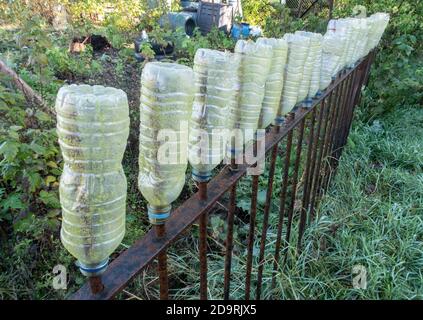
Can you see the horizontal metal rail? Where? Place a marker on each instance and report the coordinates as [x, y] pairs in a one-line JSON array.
[[322, 131]]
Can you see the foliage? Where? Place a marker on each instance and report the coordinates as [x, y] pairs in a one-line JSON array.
[[67, 66], [277, 19], [257, 11], [397, 75], [29, 160], [30, 167], [146, 51], [186, 47]]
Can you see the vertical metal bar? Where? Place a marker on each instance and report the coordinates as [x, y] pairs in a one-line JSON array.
[[250, 245], [282, 204], [294, 182], [229, 239], [369, 61], [306, 188], [349, 106], [339, 122], [334, 142], [330, 138], [317, 177], [340, 113], [323, 147], [162, 265], [202, 186], [96, 284], [337, 136], [266, 219], [360, 82], [355, 97], [314, 170], [363, 73], [346, 106]]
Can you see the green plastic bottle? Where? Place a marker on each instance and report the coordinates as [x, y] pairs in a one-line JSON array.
[[93, 128], [274, 81], [255, 63], [298, 47], [215, 74], [167, 92]]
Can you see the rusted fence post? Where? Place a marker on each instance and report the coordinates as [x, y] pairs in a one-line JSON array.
[[202, 190], [162, 264]]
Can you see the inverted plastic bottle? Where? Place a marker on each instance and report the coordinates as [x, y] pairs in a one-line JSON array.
[[371, 25], [317, 69], [342, 29], [344, 26], [274, 81], [311, 76], [308, 66], [361, 44], [377, 25], [298, 47], [357, 37], [93, 128], [167, 92], [215, 73], [350, 27], [383, 21], [333, 45], [255, 62]]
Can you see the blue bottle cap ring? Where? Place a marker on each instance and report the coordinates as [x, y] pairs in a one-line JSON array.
[[89, 270], [158, 215], [279, 121], [200, 176]]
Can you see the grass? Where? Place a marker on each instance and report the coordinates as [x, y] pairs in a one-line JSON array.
[[372, 216]]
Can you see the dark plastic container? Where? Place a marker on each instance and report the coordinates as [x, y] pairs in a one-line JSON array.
[[214, 14]]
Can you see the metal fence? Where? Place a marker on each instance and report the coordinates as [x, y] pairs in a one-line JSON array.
[[302, 7], [313, 139]]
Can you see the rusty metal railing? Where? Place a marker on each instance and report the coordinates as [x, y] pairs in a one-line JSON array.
[[315, 135]]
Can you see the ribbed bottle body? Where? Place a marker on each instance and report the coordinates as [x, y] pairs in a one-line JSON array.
[[255, 63], [298, 47], [93, 128], [274, 81], [215, 76], [165, 109]]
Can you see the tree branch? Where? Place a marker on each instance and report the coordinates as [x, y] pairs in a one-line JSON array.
[[30, 95]]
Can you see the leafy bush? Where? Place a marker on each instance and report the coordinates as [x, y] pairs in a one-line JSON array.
[[67, 66], [30, 167], [29, 161], [397, 74]]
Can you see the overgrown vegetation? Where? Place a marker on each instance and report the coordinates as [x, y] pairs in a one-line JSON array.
[[372, 216]]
